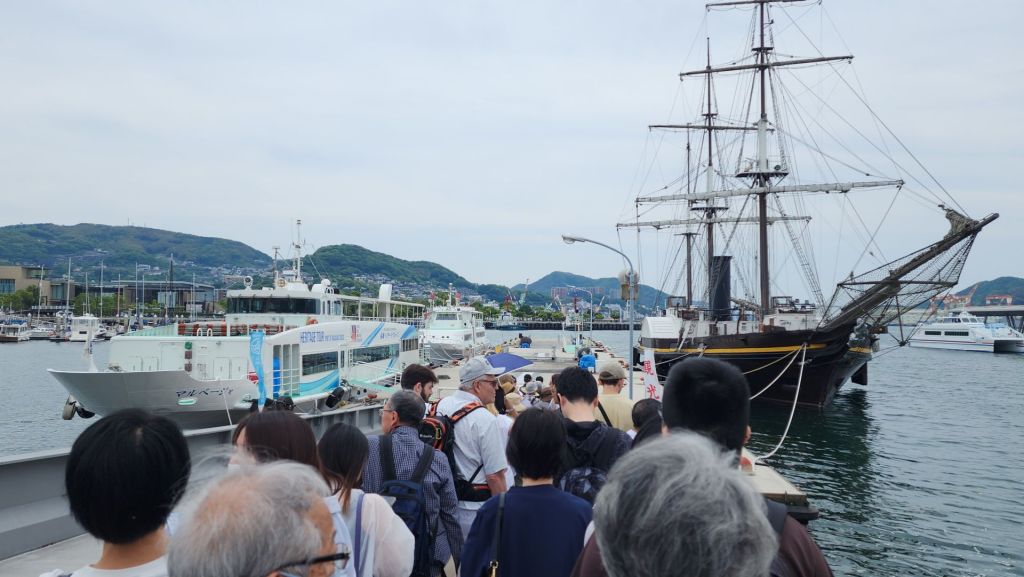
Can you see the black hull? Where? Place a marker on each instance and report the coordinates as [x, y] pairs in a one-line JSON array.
[[832, 358]]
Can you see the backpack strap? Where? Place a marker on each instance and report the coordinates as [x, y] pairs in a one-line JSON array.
[[424, 464], [604, 414], [467, 409], [359, 535], [492, 568], [433, 409], [387, 458]]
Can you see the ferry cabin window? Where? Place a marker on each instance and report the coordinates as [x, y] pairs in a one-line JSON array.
[[371, 354], [447, 317], [321, 362], [272, 305], [933, 333], [958, 333]]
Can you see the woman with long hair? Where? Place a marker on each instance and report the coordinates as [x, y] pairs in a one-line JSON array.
[[384, 542], [370, 525]]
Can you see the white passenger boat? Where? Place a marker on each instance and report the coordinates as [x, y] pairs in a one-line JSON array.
[[82, 326], [13, 332], [451, 332], [965, 332], [201, 374]]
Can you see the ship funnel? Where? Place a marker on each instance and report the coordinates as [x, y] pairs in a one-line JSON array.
[[721, 288]]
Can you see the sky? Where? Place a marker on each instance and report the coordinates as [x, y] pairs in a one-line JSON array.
[[472, 134]]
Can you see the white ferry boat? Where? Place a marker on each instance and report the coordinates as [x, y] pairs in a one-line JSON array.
[[201, 374], [82, 326], [965, 332], [451, 332], [13, 332]]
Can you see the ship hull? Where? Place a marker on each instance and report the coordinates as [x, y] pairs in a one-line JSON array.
[[832, 358]]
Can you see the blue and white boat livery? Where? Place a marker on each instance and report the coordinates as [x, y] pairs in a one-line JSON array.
[[201, 374], [966, 332]]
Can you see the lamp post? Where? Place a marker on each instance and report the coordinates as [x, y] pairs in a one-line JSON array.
[[591, 309], [570, 240], [144, 273]]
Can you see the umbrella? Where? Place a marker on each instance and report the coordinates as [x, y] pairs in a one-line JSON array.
[[508, 360]]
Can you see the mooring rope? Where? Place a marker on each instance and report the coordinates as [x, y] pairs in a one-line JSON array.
[[792, 410]]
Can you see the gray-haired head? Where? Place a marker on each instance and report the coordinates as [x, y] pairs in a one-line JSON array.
[[678, 506], [249, 521], [408, 406]]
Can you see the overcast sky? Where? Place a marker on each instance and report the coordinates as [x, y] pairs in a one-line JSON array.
[[471, 134]]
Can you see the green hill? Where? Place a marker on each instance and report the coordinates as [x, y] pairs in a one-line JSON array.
[[120, 248], [647, 297], [1003, 285], [349, 260]]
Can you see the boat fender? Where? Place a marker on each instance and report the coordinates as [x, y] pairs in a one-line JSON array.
[[310, 321], [82, 412], [69, 409], [337, 397]]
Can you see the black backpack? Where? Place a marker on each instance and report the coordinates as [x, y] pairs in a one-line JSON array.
[[410, 502], [586, 470], [438, 431]]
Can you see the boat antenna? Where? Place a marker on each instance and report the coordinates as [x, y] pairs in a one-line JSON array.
[[277, 251]]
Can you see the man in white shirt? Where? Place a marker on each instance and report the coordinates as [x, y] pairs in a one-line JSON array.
[[479, 447]]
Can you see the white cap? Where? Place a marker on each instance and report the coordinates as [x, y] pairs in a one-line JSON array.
[[477, 367]]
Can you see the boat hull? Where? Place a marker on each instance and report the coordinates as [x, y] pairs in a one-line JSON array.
[[1010, 346], [191, 403], [832, 358]]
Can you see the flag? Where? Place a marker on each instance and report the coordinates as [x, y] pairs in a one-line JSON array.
[[652, 388], [256, 355]]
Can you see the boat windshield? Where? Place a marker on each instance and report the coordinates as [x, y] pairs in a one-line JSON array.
[[287, 305]]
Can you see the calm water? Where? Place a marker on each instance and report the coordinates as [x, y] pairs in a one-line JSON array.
[[917, 474]]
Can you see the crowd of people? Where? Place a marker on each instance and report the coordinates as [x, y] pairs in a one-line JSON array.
[[500, 478]]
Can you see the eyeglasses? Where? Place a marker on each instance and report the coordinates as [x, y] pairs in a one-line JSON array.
[[340, 561], [385, 410], [492, 382]]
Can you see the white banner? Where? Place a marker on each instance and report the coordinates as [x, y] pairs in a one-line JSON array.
[[652, 388]]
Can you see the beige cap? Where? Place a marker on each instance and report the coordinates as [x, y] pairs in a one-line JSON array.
[[611, 371]]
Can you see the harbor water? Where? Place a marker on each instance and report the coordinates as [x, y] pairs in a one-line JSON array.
[[916, 474]]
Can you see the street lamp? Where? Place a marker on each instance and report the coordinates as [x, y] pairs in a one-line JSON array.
[[591, 309], [567, 239]]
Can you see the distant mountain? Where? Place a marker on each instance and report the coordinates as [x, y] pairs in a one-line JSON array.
[[648, 295], [1003, 285], [120, 248]]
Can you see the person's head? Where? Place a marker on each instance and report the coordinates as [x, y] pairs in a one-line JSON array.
[[536, 444], [499, 400], [576, 385], [546, 394], [539, 380], [402, 408], [612, 376], [677, 506], [507, 383], [125, 473], [645, 410], [343, 450], [272, 435], [651, 429], [420, 380], [477, 376], [527, 377], [514, 405], [265, 519], [554, 383], [710, 397]]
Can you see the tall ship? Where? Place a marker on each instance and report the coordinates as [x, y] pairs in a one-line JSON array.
[[771, 159], [314, 349], [452, 331], [962, 331]]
